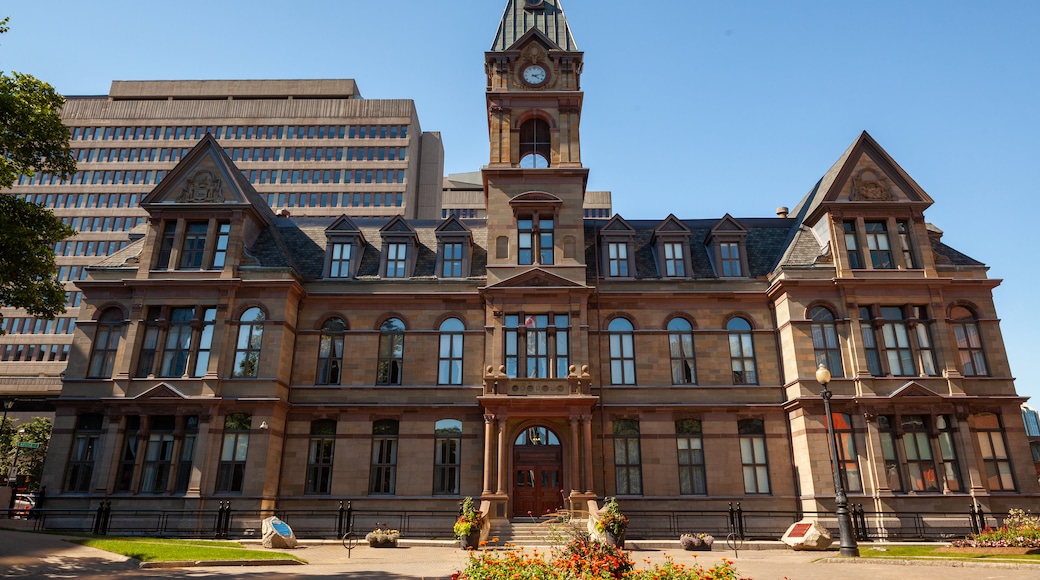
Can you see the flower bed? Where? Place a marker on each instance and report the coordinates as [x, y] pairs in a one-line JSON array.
[[1021, 529]]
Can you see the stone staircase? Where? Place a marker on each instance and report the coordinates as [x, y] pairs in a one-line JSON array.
[[526, 532]]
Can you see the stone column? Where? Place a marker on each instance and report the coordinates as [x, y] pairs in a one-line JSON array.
[[576, 447], [489, 442], [586, 423], [501, 456]]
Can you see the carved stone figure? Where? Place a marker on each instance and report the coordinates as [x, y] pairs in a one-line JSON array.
[[869, 187], [202, 186]]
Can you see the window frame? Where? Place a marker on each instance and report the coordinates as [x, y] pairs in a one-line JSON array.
[[738, 351], [383, 470], [534, 137], [390, 360], [967, 337], [330, 352], [451, 351], [692, 472], [621, 340], [234, 452], [823, 329], [680, 340], [248, 355], [447, 457], [321, 449], [919, 459], [848, 459], [996, 462], [108, 334], [517, 345], [754, 456], [86, 442], [628, 470], [879, 245]]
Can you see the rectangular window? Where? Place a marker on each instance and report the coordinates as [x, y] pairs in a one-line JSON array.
[[730, 254], [993, 447], [447, 461], [535, 239], [194, 246], [690, 446], [923, 334], [919, 461], [851, 247], [627, 462], [674, 263], [903, 229], [177, 344], [870, 344], [319, 457], [220, 252], [948, 452], [384, 458], [149, 343], [209, 319], [893, 474], [877, 245], [617, 259], [187, 455], [85, 445], [754, 463], [897, 342], [847, 458], [451, 264], [339, 260], [231, 471], [396, 260], [528, 346], [166, 245], [128, 458], [158, 456]]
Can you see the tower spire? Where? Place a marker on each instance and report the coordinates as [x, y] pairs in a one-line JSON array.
[[545, 16]]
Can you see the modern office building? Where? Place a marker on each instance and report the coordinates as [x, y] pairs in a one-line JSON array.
[[529, 352], [313, 147]]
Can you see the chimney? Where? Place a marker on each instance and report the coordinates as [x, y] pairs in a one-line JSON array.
[[782, 211]]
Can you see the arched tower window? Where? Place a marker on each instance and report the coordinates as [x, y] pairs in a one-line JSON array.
[[535, 144]]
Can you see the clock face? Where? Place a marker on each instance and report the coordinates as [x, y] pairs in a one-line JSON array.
[[534, 75]]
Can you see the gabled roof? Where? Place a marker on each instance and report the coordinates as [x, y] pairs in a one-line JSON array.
[[617, 225], [545, 17], [863, 157], [728, 224], [452, 225], [207, 179], [536, 278], [397, 226]]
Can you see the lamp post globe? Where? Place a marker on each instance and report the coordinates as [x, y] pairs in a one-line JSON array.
[[847, 539]]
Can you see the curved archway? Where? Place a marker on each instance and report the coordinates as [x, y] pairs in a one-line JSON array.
[[537, 471]]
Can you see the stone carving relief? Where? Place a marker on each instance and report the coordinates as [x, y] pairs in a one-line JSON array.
[[870, 187], [201, 187]]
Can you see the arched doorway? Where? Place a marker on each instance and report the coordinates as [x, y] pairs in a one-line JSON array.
[[537, 472]]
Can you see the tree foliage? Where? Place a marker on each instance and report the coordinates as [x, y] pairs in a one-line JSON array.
[[32, 139], [30, 461]]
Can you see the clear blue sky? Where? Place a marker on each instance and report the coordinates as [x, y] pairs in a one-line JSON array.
[[692, 107]]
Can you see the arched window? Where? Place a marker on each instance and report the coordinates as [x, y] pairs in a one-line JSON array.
[[250, 338], [825, 340], [384, 457], [537, 436], [742, 352], [449, 367], [622, 353], [627, 463], [319, 456], [447, 462], [535, 144], [969, 342], [680, 349], [106, 344], [330, 352], [391, 352]]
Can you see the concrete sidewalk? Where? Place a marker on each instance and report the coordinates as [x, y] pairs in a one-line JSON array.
[[29, 555]]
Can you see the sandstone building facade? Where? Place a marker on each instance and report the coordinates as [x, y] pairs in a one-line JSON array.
[[529, 354]]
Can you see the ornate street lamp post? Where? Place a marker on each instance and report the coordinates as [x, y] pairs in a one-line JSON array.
[[847, 540]]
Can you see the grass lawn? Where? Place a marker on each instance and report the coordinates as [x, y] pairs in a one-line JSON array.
[[929, 553], [162, 550]]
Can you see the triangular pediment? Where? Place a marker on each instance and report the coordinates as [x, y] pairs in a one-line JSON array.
[[452, 225], [206, 179], [914, 390], [617, 225], [864, 174], [397, 225], [342, 225], [536, 278], [162, 391], [728, 224], [671, 225]]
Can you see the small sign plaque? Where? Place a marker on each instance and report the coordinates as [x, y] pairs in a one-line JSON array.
[[798, 531]]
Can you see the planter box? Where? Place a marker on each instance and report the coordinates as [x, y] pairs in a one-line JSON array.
[[701, 548], [383, 544]]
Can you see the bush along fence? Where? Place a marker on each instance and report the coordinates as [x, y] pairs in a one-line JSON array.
[[226, 521]]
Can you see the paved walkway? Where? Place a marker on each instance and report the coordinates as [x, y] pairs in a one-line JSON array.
[[29, 555]]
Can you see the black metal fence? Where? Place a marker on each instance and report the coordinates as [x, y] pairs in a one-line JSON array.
[[228, 522]]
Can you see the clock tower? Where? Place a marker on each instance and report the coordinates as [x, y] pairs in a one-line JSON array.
[[534, 181], [537, 399]]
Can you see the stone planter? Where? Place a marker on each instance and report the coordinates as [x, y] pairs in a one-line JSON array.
[[471, 541], [700, 548], [383, 543], [613, 539]]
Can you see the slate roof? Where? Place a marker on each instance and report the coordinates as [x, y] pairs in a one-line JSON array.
[[549, 20], [303, 243]]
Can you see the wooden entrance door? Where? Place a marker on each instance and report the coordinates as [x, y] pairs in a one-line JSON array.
[[537, 472]]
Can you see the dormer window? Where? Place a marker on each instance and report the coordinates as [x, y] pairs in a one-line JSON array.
[[671, 242], [535, 144], [617, 239], [193, 245], [400, 243], [343, 247], [888, 244], [454, 248], [727, 248]]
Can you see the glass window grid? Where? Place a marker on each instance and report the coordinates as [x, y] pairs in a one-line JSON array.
[[993, 447], [231, 469], [969, 343], [449, 362], [320, 450], [877, 245], [681, 352], [248, 345], [627, 462], [742, 352], [539, 345], [447, 457], [920, 462], [383, 480], [753, 458], [825, 340], [622, 352], [390, 369], [690, 447]]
